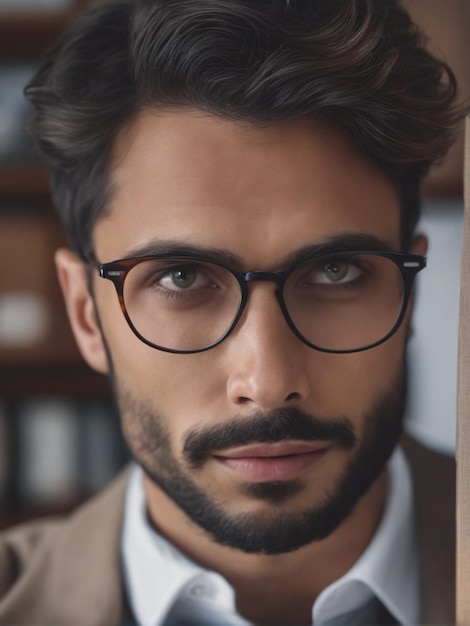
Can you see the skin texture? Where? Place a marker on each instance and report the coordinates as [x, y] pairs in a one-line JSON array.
[[260, 193]]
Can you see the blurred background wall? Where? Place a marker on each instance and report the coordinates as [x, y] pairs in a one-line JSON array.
[[431, 414]]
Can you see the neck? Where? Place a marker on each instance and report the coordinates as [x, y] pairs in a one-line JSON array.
[[286, 583]]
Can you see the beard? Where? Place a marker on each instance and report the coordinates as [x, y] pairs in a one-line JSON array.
[[283, 529]]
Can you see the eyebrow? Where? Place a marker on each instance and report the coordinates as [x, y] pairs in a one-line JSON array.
[[345, 242], [183, 249]]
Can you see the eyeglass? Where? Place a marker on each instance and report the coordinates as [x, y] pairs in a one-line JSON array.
[[343, 302]]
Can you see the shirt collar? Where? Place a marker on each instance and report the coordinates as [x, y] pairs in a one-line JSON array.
[[388, 568], [157, 573]]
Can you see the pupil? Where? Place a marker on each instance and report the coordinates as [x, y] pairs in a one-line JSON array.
[[336, 271], [184, 276]]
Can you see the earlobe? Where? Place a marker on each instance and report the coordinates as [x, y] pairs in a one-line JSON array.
[[81, 310]]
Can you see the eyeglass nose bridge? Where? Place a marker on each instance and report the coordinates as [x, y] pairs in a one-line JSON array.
[[279, 279], [259, 275]]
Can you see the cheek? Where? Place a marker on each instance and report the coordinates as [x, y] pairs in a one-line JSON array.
[[181, 389], [350, 384]]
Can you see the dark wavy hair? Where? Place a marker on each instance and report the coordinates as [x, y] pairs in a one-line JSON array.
[[361, 62]]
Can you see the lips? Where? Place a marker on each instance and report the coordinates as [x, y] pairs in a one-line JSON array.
[[262, 462]]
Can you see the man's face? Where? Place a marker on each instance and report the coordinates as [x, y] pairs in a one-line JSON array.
[[262, 441]]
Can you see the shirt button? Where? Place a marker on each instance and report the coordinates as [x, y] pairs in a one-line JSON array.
[[201, 590]]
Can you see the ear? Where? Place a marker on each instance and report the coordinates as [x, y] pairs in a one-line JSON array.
[[419, 245], [81, 309]]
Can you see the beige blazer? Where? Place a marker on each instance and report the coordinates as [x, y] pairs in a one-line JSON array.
[[68, 572]]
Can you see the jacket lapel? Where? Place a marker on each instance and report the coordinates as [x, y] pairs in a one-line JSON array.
[[434, 498], [64, 583]]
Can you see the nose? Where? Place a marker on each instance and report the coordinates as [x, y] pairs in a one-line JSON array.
[[267, 362]]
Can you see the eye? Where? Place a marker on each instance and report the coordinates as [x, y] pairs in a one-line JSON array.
[[331, 272], [336, 271], [184, 277]]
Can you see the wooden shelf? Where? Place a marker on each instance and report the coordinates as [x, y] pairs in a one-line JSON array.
[[27, 33], [443, 189], [25, 181], [70, 379]]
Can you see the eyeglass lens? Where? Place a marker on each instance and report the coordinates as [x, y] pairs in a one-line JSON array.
[[340, 303]]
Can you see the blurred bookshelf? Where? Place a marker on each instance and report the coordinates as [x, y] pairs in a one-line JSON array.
[[59, 432], [55, 452]]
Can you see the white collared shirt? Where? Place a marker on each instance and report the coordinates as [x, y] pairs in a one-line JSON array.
[[165, 588]]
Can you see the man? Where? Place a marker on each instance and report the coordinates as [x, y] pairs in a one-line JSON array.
[[240, 184]]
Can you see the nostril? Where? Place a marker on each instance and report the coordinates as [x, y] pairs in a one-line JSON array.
[[293, 396], [243, 400]]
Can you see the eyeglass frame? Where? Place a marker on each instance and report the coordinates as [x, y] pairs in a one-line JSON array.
[[408, 264]]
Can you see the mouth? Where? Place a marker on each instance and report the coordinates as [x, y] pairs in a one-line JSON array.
[[268, 462]]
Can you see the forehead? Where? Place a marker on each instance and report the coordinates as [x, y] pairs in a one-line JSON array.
[[259, 191]]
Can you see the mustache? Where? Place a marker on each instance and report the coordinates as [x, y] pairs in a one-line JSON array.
[[266, 427]]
